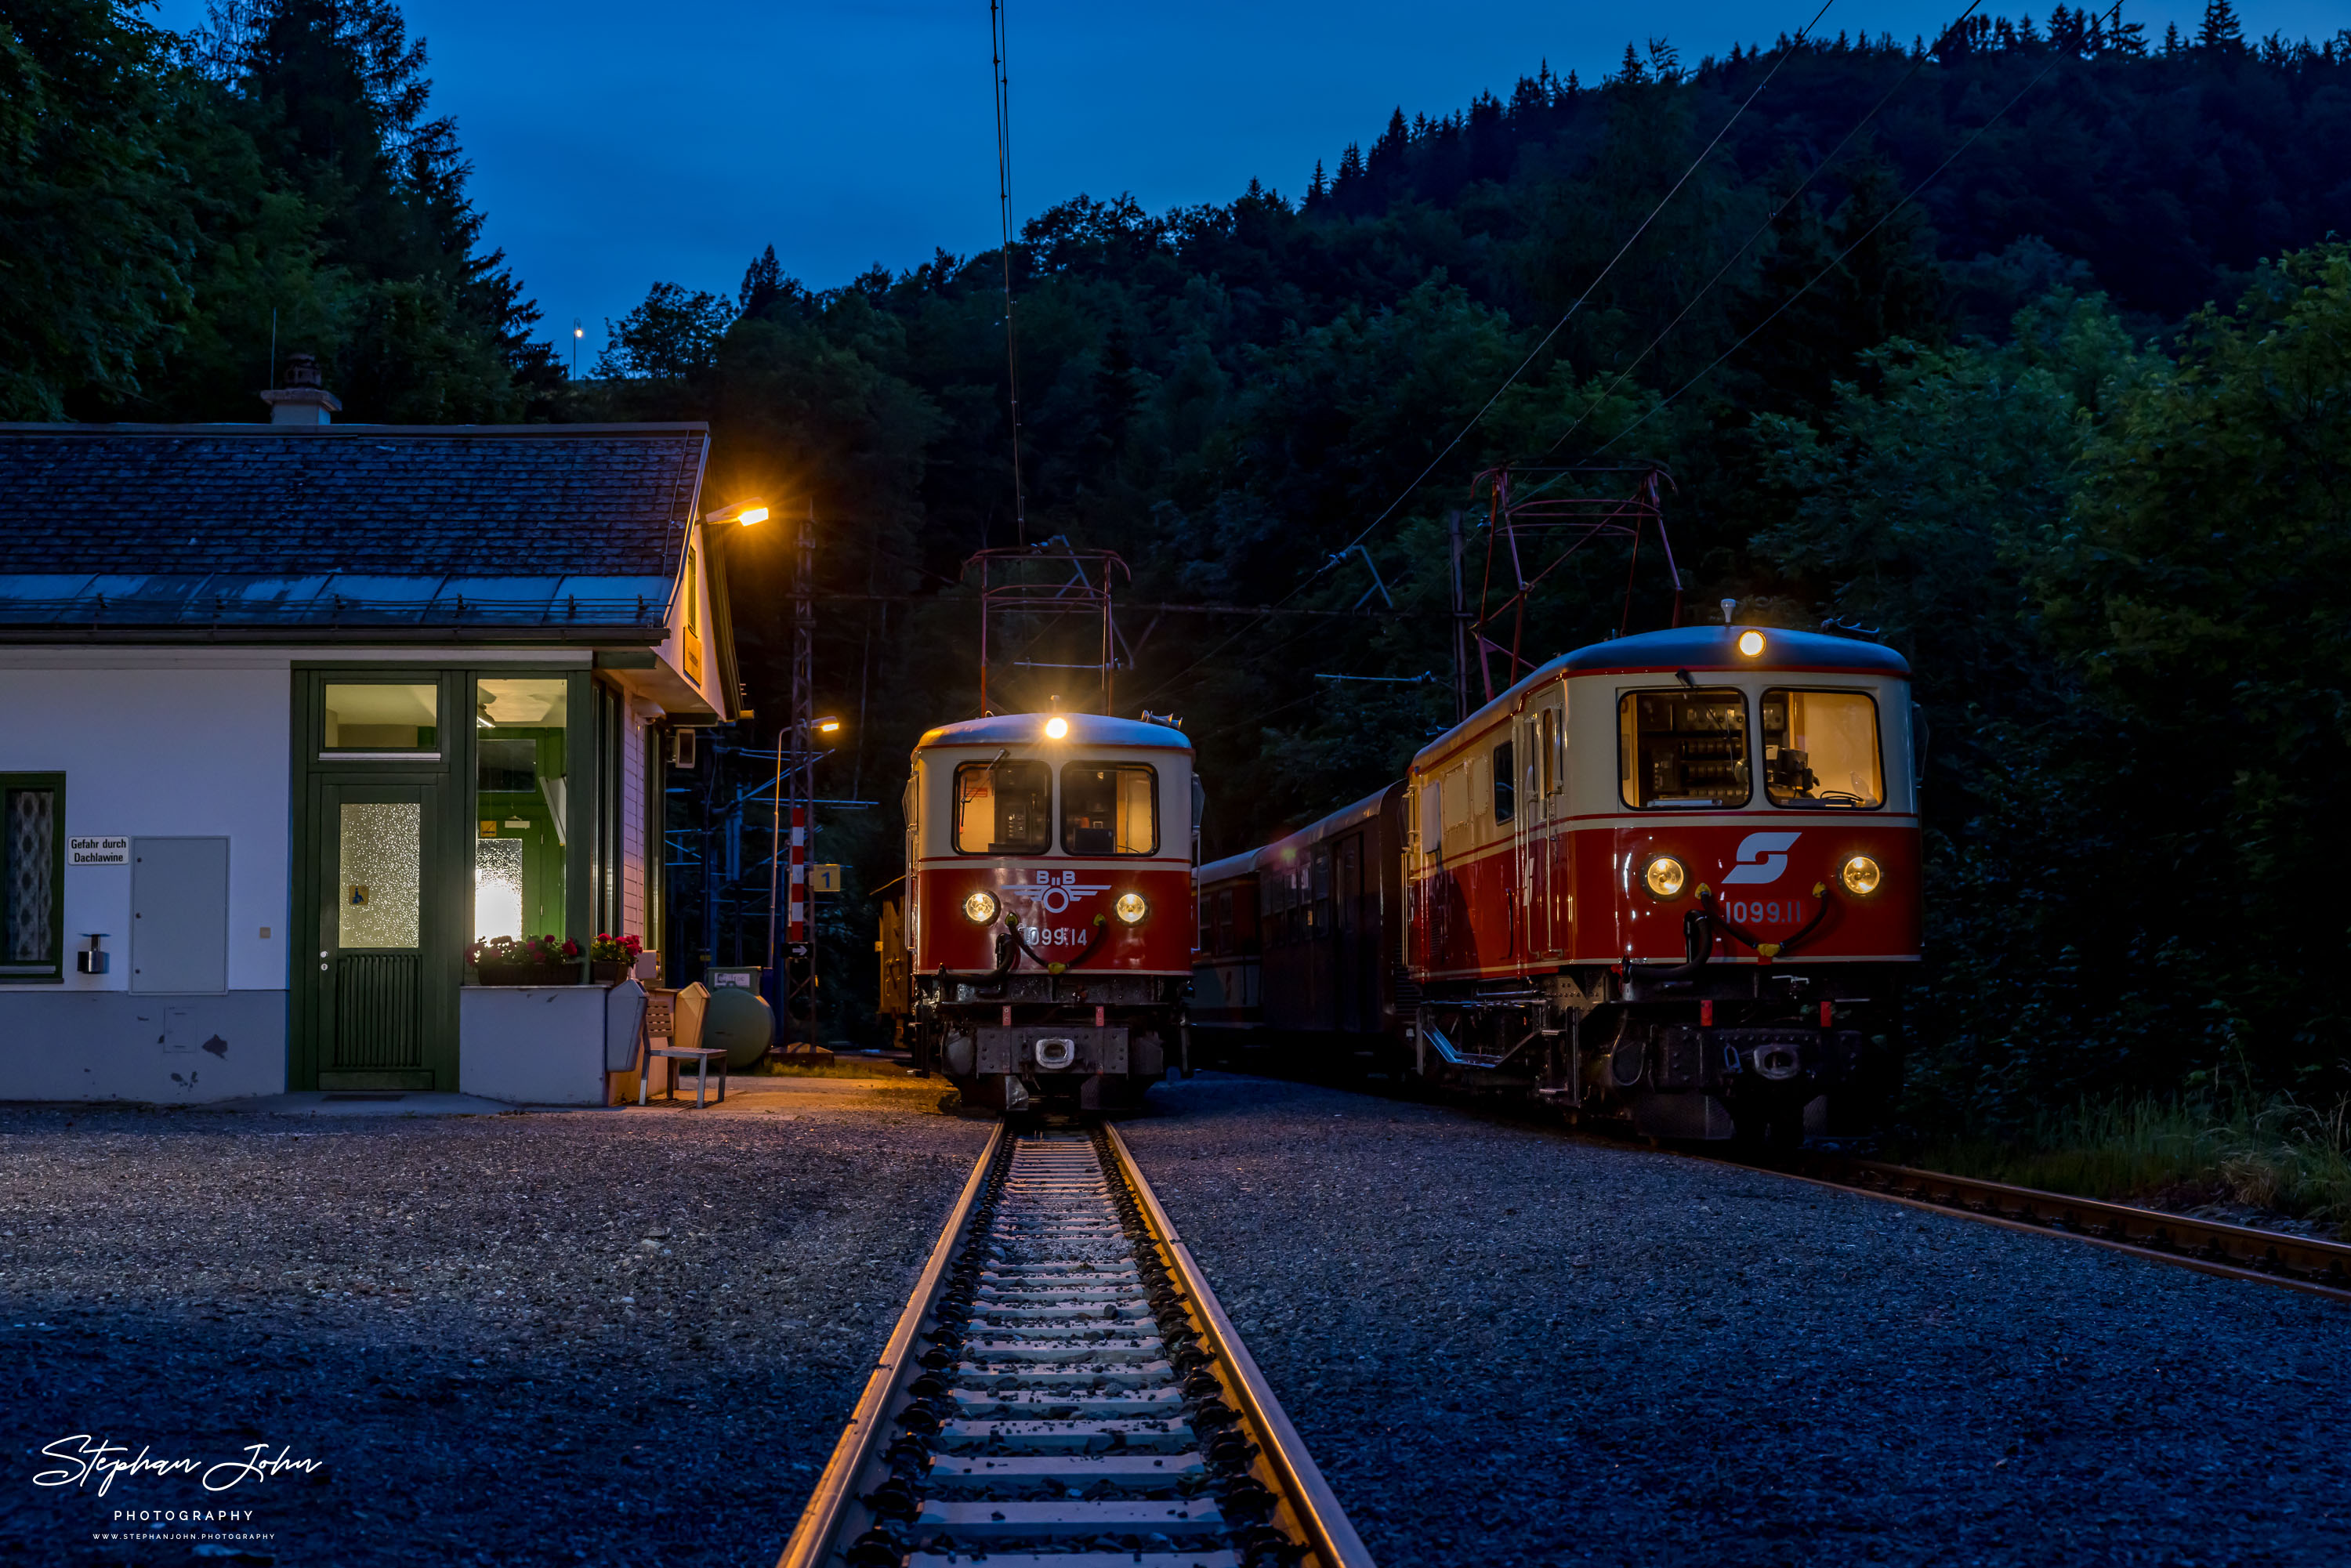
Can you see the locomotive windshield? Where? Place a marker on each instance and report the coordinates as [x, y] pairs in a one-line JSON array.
[[1683, 748], [1003, 809], [1110, 808], [1820, 748]]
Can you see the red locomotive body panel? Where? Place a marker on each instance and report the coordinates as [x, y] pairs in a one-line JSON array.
[[1580, 898], [1056, 903]]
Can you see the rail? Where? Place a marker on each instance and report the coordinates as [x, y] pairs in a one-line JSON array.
[[2211, 1246], [1083, 1399]]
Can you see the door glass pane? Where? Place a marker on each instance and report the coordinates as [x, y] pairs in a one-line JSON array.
[[383, 863], [382, 717], [521, 805]]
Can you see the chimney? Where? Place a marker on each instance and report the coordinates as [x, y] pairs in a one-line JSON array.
[[302, 399]]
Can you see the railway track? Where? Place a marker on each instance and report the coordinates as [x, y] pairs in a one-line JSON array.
[[1062, 1390], [2214, 1247]]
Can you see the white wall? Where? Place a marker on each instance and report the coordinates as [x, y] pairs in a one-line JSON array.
[[159, 742], [182, 747]]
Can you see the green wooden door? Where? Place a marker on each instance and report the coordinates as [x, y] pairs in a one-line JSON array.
[[384, 980]]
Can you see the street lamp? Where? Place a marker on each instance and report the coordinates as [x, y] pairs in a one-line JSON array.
[[750, 510]]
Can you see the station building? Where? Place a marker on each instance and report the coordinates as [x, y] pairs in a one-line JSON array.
[[299, 711]]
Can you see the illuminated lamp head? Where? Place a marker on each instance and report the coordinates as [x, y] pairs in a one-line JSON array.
[[1751, 645], [1056, 727]]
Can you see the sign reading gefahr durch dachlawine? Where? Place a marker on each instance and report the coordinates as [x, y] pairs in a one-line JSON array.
[[105, 849]]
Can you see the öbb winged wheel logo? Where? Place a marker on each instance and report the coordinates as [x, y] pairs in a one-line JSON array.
[[1054, 890], [1761, 858]]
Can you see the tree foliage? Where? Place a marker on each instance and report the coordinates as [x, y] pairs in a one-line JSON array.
[[171, 204]]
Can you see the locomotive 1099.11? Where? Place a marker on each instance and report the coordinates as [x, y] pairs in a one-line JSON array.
[[1673, 878], [1047, 925]]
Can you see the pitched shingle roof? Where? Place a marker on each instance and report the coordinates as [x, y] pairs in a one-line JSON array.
[[345, 526], [385, 500]]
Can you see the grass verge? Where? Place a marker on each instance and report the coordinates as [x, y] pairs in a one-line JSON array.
[[2282, 1157]]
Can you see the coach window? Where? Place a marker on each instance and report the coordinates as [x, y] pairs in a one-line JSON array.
[[1110, 808], [1820, 748], [1506, 793], [1685, 749], [1003, 809]]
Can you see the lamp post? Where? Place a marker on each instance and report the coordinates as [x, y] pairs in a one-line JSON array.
[[745, 513]]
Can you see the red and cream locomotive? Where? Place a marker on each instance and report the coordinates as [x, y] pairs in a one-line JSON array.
[[1048, 923], [1666, 877]]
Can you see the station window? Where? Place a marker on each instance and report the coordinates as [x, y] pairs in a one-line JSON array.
[[522, 788], [382, 715], [1110, 808], [1003, 809], [1683, 749], [1820, 748], [32, 876]]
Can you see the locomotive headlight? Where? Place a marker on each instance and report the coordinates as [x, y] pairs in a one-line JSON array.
[[1666, 876], [1861, 876], [1130, 907], [1752, 644], [1055, 728], [980, 908]]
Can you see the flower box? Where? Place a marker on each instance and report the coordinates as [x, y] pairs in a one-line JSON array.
[[529, 974]]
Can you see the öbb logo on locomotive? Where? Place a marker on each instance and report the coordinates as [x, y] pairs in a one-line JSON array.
[[1580, 893], [1761, 858]]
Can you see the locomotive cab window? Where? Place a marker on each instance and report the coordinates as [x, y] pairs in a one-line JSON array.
[[1820, 748], [1686, 748], [1003, 809], [1109, 809]]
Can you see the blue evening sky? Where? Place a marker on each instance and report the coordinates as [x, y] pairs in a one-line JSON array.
[[616, 145]]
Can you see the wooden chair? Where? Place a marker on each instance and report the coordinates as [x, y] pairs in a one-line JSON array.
[[676, 1017]]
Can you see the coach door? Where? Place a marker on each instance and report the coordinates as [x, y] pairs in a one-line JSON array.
[[1354, 959], [1539, 798]]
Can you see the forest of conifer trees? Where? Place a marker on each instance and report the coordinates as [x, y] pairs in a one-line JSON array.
[[2026, 347]]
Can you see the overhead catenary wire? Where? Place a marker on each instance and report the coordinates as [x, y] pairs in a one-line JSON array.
[[1761, 230], [1859, 240], [1544, 343], [997, 53]]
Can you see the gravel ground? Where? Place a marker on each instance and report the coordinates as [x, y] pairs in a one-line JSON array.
[[603, 1337], [1505, 1344]]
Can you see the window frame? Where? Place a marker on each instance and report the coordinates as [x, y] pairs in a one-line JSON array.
[[55, 974], [1877, 735], [1061, 814], [1747, 729], [1504, 784], [955, 805], [382, 754]]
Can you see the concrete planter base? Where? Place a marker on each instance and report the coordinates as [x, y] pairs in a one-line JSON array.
[[532, 1045]]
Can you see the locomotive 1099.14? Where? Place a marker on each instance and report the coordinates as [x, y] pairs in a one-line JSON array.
[[1673, 877], [1046, 926]]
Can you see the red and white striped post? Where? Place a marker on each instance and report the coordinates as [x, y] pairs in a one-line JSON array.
[[796, 931]]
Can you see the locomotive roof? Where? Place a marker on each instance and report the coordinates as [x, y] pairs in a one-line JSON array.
[[1697, 649], [1029, 729]]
